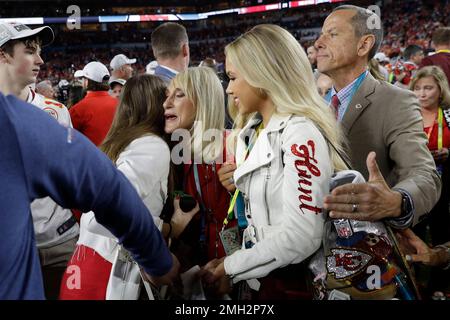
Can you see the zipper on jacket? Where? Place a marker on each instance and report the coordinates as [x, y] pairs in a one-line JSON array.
[[248, 206], [266, 182]]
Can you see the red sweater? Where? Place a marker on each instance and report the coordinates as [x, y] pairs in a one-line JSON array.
[[93, 115]]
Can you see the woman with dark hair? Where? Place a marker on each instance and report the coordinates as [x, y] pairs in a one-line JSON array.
[[136, 144]]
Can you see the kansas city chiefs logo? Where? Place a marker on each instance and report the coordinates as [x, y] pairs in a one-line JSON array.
[[51, 112], [344, 263]]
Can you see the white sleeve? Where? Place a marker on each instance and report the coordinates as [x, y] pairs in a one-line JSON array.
[[144, 162], [306, 175], [65, 117]]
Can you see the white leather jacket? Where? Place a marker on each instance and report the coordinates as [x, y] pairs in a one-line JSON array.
[[283, 198]]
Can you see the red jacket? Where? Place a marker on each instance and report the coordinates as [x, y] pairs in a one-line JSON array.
[[215, 199], [93, 115]]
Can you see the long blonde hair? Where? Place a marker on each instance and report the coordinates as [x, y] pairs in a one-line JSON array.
[[202, 87], [271, 59], [140, 112], [440, 78]]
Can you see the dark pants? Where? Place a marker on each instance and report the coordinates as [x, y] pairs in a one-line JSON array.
[[53, 264]]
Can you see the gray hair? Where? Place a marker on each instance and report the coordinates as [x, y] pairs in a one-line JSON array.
[[361, 26], [45, 84]]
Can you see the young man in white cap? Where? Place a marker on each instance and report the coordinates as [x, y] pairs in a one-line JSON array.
[[93, 115], [56, 230], [121, 67], [20, 62]]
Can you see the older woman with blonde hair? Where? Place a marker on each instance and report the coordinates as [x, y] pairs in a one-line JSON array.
[[286, 154], [194, 117]]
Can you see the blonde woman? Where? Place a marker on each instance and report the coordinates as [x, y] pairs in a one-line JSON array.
[[136, 143], [284, 162], [194, 116], [431, 88]]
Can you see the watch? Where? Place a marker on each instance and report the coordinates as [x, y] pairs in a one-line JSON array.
[[406, 206]]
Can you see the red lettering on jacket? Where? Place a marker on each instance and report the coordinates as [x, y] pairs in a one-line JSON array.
[[306, 166]]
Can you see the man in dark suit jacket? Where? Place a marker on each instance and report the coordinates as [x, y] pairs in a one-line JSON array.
[[403, 184], [170, 45]]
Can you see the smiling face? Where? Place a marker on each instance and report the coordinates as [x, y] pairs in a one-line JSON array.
[[245, 97], [24, 63], [179, 111], [428, 92], [337, 46]]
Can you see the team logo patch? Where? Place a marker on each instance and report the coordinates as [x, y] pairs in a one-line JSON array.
[[346, 263], [51, 112]]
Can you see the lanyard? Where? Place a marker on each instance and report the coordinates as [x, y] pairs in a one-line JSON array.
[[440, 121], [205, 210], [203, 214], [355, 88], [230, 211]]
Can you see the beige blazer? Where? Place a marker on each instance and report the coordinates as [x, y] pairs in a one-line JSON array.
[[386, 119]]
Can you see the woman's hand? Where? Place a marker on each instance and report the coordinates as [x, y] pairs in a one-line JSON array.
[[181, 219], [225, 175], [214, 277]]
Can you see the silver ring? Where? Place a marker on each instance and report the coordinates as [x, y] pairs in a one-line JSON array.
[[231, 180], [354, 207]]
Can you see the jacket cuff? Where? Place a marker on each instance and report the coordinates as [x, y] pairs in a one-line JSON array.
[[406, 219]]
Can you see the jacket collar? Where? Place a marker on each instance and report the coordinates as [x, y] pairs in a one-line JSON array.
[[262, 152], [277, 122], [358, 103]]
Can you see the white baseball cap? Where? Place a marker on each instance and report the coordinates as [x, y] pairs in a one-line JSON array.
[[14, 31], [381, 57], [120, 60], [95, 71], [119, 81], [150, 68]]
